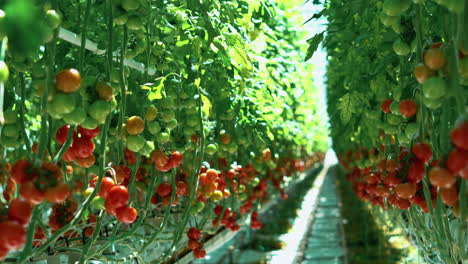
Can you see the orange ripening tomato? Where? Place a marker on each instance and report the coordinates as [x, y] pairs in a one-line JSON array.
[[435, 59], [422, 73], [68, 81], [441, 177]]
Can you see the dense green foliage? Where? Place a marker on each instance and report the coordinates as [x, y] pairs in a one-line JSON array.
[[397, 101]]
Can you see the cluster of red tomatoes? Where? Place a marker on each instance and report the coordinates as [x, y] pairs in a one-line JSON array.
[[194, 235], [82, 146], [13, 235], [398, 180], [228, 218]]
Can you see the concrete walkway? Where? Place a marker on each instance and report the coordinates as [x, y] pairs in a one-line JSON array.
[[324, 243]]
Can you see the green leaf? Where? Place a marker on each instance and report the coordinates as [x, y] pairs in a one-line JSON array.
[[155, 90], [314, 42], [315, 16], [347, 105]]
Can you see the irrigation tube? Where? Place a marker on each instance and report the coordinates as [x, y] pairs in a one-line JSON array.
[[68, 36]]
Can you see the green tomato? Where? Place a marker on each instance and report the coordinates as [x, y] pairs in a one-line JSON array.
[[4, 72], [11, 131], [434, 88], [98, 203], [147, 148], [9, 142], [197, 207], [243, 196], [455, 6], [432, 103], [241, 188], [389, 20], [401, 48], [63, 103], [390, 129], [134, 23], [395, 108], [191, 110], [255, 181], [10, 116], [99, 110], [190, 146], [135, 142], [130, 5], [53, 19], [163, 137], [121, 20], [403, 139], [153, 127], [89, 123], [395, 7], [393, 119], [88, 192], [167, 115], [211, 149], [171, 124], [76, 117], [167, 102], [412, 130], [192, 121], [232, 148]]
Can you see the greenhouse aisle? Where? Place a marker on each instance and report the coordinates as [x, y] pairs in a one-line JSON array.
[[314, 236], [324, 243]]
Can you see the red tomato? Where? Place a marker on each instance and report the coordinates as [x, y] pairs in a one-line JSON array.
[[82, 147], [406, 190], [408, 108], [441, 177], [199, 253], [69, 155], [416, 171], [90, 133], [457, 161], [126, 214], [29, 192], [211, 175], [193, 244], [20, 210], [159, 158], [218, 210], [176, 159], [106, 185], [19, 171], [58, 193], [450, 196], [386, 106], [62, 133], [167, 200], [86, 162], [3, 252], [194, 233], [13, 235], [422, 151], [459, 136], [181, 188], [226, 139], [164, 189], [117, 197], [203, 179]]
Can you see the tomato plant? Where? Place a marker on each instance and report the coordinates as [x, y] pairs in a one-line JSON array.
[[116, 113]]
